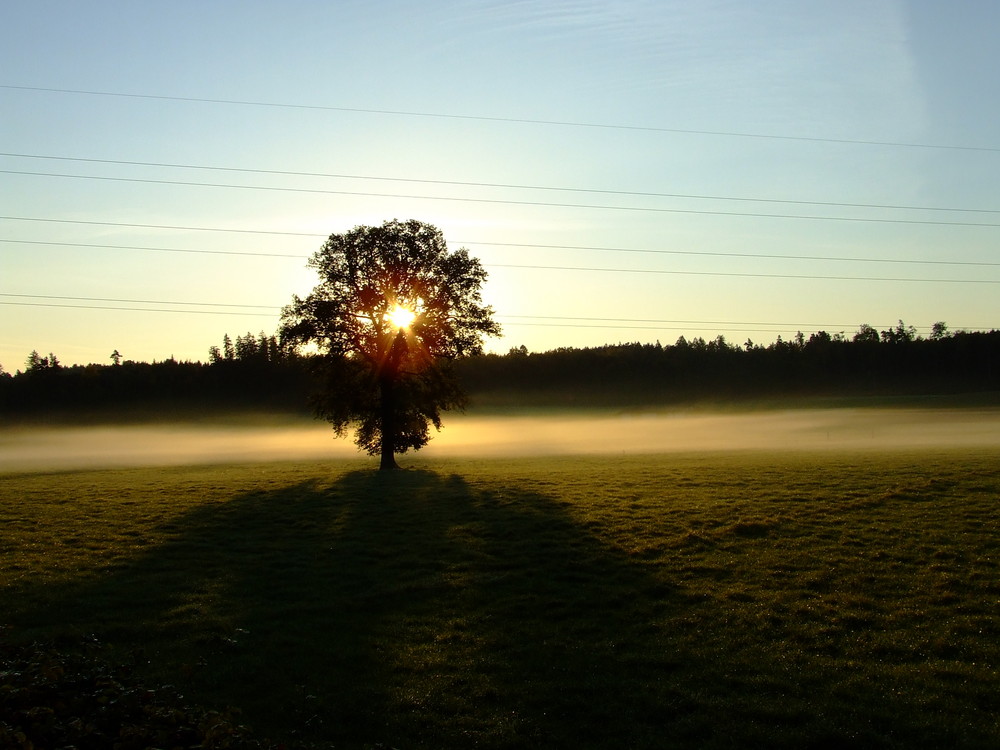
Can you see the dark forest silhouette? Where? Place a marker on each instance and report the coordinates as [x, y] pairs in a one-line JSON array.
[[254, 373]]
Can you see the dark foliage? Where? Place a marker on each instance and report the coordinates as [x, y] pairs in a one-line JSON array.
[[346, 398], [871, 364], [389, 375], [254, 376], [820, 365]]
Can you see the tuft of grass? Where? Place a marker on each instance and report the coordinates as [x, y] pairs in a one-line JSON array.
[[650, 602]]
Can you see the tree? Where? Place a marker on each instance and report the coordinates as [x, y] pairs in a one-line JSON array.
[[38, 363], [866, 335], [392, 310], [35, 362], [901, 334]]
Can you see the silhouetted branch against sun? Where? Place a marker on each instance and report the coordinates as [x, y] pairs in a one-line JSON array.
[[393, 308]]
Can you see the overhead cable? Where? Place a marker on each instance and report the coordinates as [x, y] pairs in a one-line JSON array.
[[505, 186], [498, 201], [133, 301], [691, 253], [505, 317], [136, 309], [161, 226], [741, 275], [511, 120], [523, 320], [154, 249]]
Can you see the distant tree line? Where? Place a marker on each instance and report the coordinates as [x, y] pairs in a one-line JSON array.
[[870, 363], [250, 372], [256, 372]]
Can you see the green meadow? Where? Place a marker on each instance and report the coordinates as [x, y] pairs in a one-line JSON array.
[[715, 600]]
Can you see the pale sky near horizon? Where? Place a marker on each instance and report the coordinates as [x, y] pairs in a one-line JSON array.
[[635, 170]]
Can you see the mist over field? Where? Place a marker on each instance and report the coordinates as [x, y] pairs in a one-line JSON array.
[[40, 448]]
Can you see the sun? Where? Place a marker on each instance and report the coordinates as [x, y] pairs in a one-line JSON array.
[[400, 317]]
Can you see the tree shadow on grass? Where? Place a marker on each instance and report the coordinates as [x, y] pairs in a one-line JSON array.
[[407, 608], [417, 609]]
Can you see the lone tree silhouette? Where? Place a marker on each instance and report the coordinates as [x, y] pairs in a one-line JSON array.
[[393, 309]]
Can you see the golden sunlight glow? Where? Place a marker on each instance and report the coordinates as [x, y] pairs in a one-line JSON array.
[[400, 317]]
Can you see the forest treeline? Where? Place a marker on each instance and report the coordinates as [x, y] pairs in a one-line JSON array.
[[248, 373], [253, 372], [889, 363]]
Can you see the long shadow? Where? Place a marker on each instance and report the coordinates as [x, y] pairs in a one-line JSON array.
[[416, 610], [381, 608]]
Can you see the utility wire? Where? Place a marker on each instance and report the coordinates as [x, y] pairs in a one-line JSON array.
[[506, 186], [686, 322], [274, 308], [135, 309], [259, 315], [133, 301], [156, 249], [518, 317], [647, 327], [497, 201], [693, 253], [161, 226], [521, 320], [500, 244], [580, 268], [716, 254], [511, 120], [741, 275]]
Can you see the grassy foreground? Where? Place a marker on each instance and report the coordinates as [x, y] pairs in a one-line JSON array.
[[716, 600]]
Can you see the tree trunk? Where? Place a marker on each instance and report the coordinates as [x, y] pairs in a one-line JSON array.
[[388, 426]]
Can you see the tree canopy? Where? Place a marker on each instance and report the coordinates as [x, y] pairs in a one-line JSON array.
[[393, 308]]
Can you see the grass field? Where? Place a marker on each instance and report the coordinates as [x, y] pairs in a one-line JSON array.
[[713, 600]]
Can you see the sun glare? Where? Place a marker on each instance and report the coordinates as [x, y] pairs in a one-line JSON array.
[[400, 317]]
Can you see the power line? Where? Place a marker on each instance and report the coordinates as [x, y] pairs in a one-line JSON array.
[[685, 322], [532, 320], [498, 201], [746, 326], [135, 309], [500, 244], [692, 253], [517, 317], [133, 301], [740, 275], [155, 249], [264, 315], [506, 186], [645, 327], [716, 254], [161, 226], [733, 274], [510, 120]]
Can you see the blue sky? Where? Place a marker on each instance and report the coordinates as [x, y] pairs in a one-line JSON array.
[[627, 171]]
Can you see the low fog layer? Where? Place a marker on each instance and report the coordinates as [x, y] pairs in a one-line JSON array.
[[36, 449]]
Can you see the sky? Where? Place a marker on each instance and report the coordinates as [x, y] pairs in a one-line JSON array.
[[628, 171]]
